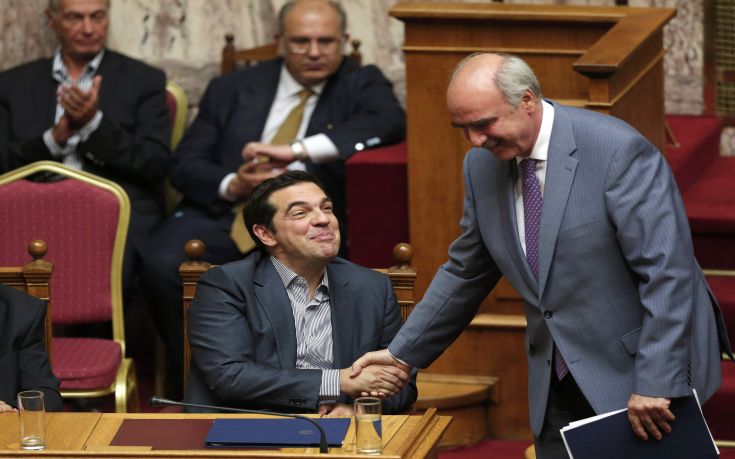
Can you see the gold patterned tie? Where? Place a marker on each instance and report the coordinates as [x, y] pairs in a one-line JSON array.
[[285, 134]]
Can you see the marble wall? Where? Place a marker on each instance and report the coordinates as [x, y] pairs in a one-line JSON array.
[[185, 38]]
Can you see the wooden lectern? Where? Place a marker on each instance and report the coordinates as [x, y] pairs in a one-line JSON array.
[[607, 59], [74, 435]]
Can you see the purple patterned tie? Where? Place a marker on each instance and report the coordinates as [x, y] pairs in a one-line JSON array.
[[532, 202]]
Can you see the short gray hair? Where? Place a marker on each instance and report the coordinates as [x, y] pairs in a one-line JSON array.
[[286, 8], [53, 5], [512, 78]]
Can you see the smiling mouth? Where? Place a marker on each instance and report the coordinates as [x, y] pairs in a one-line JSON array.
[[323, 237]]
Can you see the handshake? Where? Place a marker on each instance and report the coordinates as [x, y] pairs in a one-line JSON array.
[[376, 374]]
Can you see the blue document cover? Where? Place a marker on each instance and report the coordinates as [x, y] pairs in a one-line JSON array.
[[229, 433], [611, 437]]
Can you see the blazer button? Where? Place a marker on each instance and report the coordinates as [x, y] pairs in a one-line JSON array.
[[548, 314]]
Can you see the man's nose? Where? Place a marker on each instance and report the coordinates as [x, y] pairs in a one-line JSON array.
[[87, 25], [477, 139], [321, 218], [313, 50]]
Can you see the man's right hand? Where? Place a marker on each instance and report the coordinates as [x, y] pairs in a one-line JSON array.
[[62, 130], [250, 175], [5, 408], [377, 380]]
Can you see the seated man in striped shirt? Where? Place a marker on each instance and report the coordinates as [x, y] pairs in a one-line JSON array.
[[280, 328]]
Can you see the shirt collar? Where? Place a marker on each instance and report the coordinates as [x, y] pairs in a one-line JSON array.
[[60, 73], [288, 277], [288, 86], [540, 150]]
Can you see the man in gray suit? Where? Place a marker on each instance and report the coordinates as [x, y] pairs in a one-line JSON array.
[[581, 214], [279, 329]]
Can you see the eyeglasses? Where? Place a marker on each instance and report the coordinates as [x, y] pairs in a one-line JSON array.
[[301, 45]]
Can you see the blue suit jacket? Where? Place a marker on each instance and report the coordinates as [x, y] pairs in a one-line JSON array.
[[357, 104], [243, 338], [24, 362], [619, 290]]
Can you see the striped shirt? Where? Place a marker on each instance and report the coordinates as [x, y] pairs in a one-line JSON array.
[[313, 322], [59, 72]]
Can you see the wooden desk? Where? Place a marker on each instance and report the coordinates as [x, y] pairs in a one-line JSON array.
[[90, 434]]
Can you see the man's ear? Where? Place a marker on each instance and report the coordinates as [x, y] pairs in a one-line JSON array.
[[529, 101], [281, 42], [265, 235], [49, 19]]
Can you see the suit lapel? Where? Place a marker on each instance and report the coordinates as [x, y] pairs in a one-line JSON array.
[[560, 170], [273, 300], [110, 72], [342, 304], [255, 98]]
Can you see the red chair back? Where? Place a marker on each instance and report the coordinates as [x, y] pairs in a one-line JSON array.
[[79, 222]]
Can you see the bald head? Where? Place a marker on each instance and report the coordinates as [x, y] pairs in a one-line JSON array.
[[496, 100], [509, 74]]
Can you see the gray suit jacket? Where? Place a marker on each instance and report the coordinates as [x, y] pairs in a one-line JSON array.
[[619, 290], [243, 338]]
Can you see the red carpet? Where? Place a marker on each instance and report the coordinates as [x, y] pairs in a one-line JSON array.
[[699, 144], [495, 449]]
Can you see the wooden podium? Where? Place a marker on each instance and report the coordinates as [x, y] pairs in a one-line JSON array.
[[73, 435], [607, 59]]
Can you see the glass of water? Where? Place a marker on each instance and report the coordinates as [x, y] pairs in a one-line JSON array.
[[368, 427], [32, 422]]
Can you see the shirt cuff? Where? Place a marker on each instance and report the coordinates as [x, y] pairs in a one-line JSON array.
[[329, 390], [320, 149], [224, 184], [90, 127], [402, 362], [56, 150]]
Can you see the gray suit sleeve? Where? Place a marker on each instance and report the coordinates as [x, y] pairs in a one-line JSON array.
[[644, 204], [407, 396], [455, 293]]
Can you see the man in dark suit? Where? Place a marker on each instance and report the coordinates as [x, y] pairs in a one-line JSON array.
[[582, 215], [342, 108], [92, 109], [23, 359], [280, 328]]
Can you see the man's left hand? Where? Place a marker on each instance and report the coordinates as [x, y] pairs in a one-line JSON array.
[[649, 415], [336, 410], [80, 106], [281, 155], [5, 408]]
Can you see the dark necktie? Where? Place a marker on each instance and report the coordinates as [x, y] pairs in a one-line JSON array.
[[532, 203]]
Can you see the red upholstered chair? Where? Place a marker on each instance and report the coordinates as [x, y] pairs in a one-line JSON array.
[[84, 220], [718, 409]]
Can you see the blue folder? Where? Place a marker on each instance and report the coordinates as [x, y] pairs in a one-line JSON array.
[[612, 437], [230, 433]]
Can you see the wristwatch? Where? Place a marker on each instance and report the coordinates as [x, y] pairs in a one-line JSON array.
[[298, 150]]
